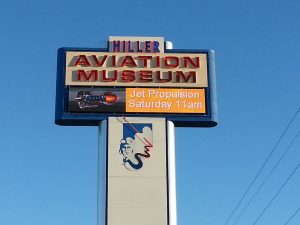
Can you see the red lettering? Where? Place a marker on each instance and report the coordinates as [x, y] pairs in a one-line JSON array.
[[128, 61], [113, 61], [87, 76], [157, 60], [160, 79], [145, 60], [195, 63], [145, 76], [109, 79], [171, 62], [186, 78], [99, 63], [127, 76], [82, 60]]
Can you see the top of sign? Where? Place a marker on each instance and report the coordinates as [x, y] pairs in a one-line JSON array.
[[136, 76], [136, 44]]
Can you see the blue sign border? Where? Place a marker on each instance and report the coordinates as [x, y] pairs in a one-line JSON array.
[[65, 118]]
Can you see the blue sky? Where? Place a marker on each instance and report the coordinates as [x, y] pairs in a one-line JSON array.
[[48, 173]]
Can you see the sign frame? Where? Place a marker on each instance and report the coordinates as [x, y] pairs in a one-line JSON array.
[[63, 117]]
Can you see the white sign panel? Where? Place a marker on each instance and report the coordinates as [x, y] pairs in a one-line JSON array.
[[137, 172]]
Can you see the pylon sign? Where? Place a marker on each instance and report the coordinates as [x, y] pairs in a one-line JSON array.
[[136, 90], [136, 76]]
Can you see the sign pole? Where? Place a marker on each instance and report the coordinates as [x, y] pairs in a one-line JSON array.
[[171, 173], [103, 186], [102, 168], [171, 165]]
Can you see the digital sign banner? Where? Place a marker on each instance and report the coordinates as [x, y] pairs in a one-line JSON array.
[[165, 100], [136, 100], [136, 76]]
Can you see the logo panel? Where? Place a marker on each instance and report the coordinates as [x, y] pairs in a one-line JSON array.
[[136, 145]]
